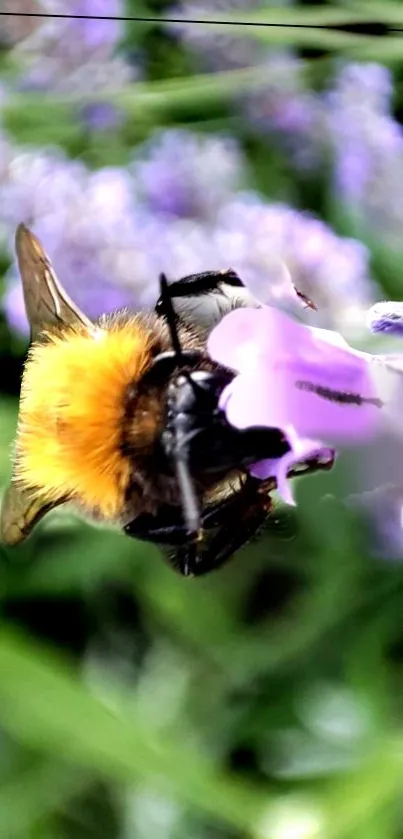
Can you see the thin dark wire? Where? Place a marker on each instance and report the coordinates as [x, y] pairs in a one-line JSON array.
[[383, 28]]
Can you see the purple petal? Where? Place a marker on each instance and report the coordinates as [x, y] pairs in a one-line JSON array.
[[386, 317], [301, 450], [102, 116], [96, 32], [294, 375]]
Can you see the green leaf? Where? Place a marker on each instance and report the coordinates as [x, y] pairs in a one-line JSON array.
[[44, 705], [29, 798], [142, 101], [66, 555], [383, 11], [388, 50], [292, 36], [299, 27]]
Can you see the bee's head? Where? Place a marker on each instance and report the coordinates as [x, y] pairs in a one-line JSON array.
[[202, 300]]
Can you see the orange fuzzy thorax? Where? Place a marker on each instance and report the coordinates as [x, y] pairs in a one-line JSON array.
[[72, 407]]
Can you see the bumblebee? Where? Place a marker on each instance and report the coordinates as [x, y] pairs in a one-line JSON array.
[[121, 419]]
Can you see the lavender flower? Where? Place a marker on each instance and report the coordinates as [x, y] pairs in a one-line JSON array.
[[308, 382], [215, 50], [188, 175], [110, 232], [98, 236], [367, 144], [353, 122], [285, 110], [302, 450], [75, 54], [386, 317], [267, 244], [331, 271], [377, 478], [101, 116], [282, 107]]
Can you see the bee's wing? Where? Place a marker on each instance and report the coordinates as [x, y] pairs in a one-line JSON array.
[[46, 304], [202, 300], [20, 512]]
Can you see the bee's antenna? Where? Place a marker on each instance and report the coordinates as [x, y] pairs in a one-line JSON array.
[[171, 317]]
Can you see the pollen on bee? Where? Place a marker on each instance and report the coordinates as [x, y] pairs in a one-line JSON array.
[[72, 408]]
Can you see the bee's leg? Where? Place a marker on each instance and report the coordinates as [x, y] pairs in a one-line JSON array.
[[236, 521], [168, 527], [236, 518], [199, 556], [220, 548], [239, 522]]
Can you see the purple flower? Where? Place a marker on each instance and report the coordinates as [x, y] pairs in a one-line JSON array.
[[286, 110], [101, 116], [215, 49], [306, 381], [100, 239], [301, 450], [367, 145], [75, 53], [177, 208], [281, 107], [332, 271], [96, 33], [188, 175], [386, 317], [377, 477]]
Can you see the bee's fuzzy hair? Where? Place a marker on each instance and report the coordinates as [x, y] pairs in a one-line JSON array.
[[73, 399]]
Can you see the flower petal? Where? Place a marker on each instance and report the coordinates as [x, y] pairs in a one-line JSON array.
[[294, 375], [386, 317], [233, 341], [301, 450]]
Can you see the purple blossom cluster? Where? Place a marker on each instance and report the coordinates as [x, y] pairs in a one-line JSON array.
[[181, 174], [285, 110], [282, 107], [367, 146], [180, 207], [215, 50], [99, 238], [351, 124], [74, 54], [330, 270]]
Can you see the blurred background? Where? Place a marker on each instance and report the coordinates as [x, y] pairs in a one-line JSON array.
[[265, 700]]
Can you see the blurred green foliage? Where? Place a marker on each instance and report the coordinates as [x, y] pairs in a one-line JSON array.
[[264, 701]]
